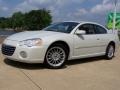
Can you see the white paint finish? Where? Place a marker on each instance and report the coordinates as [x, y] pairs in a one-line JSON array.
[[80, 46], [86, 44]]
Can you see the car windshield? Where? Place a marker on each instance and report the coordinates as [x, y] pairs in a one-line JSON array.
[[64, 27]]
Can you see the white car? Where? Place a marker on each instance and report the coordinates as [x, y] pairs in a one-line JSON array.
[[61, 42]]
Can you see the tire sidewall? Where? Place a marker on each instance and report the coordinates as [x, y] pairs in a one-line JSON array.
[[107, 51]]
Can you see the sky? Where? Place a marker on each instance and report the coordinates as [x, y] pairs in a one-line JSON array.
[[63, 10]]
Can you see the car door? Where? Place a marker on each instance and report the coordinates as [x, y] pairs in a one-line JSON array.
[[87, 44], [101, 33]]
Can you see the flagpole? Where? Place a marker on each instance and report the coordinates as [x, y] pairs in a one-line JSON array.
[[114, 19]]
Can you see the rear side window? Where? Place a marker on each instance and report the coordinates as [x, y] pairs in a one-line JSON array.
[[100, 30], [89, 28]]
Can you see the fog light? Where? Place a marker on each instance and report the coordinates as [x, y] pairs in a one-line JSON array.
[[23, 54]]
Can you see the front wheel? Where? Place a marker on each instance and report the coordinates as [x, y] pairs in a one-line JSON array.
[[56, 56], [110, 52]]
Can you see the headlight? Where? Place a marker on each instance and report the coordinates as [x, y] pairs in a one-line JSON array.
[[31, 42]]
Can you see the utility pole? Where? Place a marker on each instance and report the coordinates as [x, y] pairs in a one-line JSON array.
[[115, 12]]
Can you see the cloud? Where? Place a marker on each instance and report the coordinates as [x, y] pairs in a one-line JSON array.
[[45, 4], [106, 1], [102, 8], [24, 7], [78, 14], [105, 7], [38, 1], [4, 8], [81, 12], [86, 10], [59, 8]]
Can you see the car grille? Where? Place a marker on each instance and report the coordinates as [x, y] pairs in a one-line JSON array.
[[8, 50]]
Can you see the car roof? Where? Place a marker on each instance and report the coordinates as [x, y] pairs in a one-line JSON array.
[[86, 22], [83, 22]]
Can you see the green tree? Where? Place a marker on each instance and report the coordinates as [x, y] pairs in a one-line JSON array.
[[18, 20], [37, 19], [33, 20], [2, 19], [5, 22]]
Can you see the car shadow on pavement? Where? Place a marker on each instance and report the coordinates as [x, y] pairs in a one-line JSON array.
[[23, 65], [42, 66], [85, 60]]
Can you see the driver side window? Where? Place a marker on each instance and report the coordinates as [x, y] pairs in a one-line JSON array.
[[88, 28]]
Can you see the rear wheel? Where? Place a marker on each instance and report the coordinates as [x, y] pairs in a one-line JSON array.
[[110, 51], [56, 56]]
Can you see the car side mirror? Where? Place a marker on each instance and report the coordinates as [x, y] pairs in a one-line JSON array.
[[80, 32]]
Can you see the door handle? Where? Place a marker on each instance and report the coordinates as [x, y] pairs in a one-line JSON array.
[[98, 39]]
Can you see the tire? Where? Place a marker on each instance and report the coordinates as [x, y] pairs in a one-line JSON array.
[[56, 56], [110, 52]]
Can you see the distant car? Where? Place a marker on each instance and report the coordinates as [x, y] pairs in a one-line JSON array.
[[61, 42]]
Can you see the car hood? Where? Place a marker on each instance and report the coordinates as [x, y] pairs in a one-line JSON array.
[[31, 34]]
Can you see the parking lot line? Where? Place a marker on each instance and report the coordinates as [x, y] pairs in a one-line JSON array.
[[28, 76]]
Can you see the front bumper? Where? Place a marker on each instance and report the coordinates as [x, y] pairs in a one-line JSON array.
[[34, 54]]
